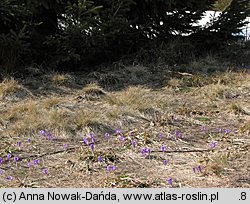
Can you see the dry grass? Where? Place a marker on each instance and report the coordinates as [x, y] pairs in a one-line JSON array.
[[238, 109], [202, 108], [92, 91], [18, 111], [11, 90], [58, 119], [218, 163], [245, 127], [175, 83], [214, 91], [53, 102], [137, 98], [86, 117], [8, 86], [34, 115], [59, 79]]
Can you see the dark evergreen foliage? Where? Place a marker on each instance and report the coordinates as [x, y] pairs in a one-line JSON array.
[[76, 33], [225, 29]]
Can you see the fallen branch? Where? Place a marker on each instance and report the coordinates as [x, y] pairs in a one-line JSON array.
[[186, 151], [48, 154]]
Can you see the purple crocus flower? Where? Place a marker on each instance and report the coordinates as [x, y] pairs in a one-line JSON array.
[[144, 151], [1, 171], [108, 168], [93, 140], [92, 135], [19, 144], [92, 146], [10, 178], [28, 140], [227, 131], [165, 162], [107, 136], [130, 134], [213, 144], [163, 148], [149, 152], [170, 181], [160, 136], [8, 156], [16, 158], [85, 140], [36, 161], [176, 132], [133, 143], [45, 171], [117, 131], [122, 138], [180, 135], [1, 161], [203, 128], [51, 137], [28, 165], [194, 170], [43, 132], [199, 168], [100, 159], [113, 168]]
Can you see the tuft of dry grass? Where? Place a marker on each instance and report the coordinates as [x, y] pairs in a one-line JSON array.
[[58, 119], [85, 117], [198, 80], [245, 128], [214, 91], [23, 116], [136, 97], [233, 78], [59, 79], [53, 102], [8, 86], [33, 115], [27, 125], [238, 109], [218, 163], [119, 112], [11, 90], [19, 110], [93, 91], [175, 82]]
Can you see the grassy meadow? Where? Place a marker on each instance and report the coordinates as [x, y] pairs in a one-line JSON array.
[[126, 126]]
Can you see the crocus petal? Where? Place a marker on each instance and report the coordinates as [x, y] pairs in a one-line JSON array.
[[108, 168], [194, 170], [170, 181], [10, 178]]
